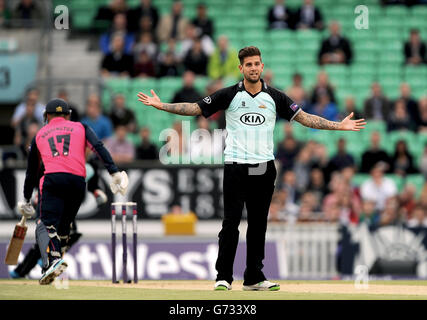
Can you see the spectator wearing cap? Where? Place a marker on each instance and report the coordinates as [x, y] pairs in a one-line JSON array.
[[414, 49], [117, 62], [336, 48], [204, 25], [378, 188]]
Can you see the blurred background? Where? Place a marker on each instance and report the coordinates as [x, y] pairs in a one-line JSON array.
[[342, 199]]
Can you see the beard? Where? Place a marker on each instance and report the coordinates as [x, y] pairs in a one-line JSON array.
[[252, 80]]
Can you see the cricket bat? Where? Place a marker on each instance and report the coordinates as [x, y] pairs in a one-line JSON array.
[[15, 244]]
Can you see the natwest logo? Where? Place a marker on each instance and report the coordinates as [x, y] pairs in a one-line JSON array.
[[252, 119]]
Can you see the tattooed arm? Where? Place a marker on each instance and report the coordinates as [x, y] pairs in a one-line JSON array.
[[182, 108], [316, 122]]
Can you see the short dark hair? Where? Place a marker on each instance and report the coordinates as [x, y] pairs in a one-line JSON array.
[[248, 52]]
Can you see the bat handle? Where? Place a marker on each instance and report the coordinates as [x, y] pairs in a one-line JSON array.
[[23, 220]]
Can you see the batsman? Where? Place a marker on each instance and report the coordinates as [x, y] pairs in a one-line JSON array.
[[60, 147]]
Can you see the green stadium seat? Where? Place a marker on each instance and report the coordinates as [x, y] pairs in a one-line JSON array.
[[398, 180], [360, 178]]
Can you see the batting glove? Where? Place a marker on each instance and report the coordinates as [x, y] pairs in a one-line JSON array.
[[119, 182], [26, 209]]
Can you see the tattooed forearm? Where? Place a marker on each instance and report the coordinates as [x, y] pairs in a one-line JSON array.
[[316, 122], [184, 109]]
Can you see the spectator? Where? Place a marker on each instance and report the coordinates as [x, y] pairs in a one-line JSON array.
[[422, 113], [191, 36], [196, 60], [309, 209], [322, 86], [317, 183], [289, 184], [146, 150], [288, 210], [407, 201], [336, 48], [108, 12], [205, 146], [75, 115], [146, 26], [377, 106], [402, 161], [145, 9], [28, 11], [296, 91], [280, 16], [144, 66], [118, 28], [31, 130], [302, 168], [117, 63], [21, 129], [419, 218], [415, 49], [369, 214], [94, 118], [399, 119], [390, 213], [350, 106], [146, 44], [268, 77], [169, 61], [121, 150], [319, 154], [325, 108], [374, 154], [287, 151], [223, 62], [31, 98], [121, 115], [5, 14], [172, 26], [187, 93], [308, 16], [423, 162], [410, 103], [203, 24], [378, 188], [342, 159], [274, 213]]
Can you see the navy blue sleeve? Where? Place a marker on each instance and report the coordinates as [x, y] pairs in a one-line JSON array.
[[285, 107], [33, 168], [219, 100], [98, 147]]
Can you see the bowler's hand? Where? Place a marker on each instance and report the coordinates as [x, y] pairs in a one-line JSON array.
[[150, 101], [352, 125]]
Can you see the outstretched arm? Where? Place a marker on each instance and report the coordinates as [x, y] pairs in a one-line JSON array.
[[182, 108], [316, 122]]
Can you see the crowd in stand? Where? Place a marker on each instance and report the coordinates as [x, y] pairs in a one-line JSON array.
[[311, 185]]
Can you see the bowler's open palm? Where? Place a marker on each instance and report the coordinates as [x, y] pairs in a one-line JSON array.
[[150, 101], [352, 125]]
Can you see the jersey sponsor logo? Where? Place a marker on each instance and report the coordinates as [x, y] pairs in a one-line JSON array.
[[207, 99], [252, 119]]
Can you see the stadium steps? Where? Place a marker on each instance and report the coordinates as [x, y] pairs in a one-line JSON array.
[[70, 59]]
